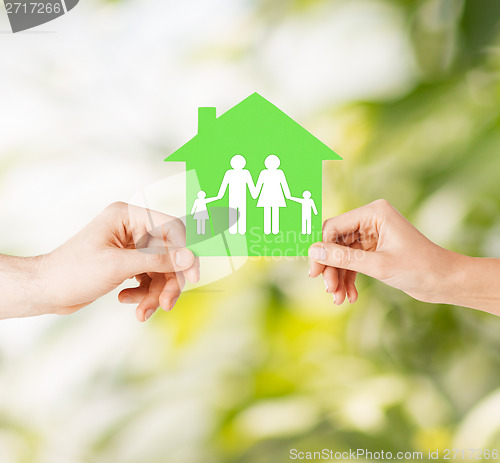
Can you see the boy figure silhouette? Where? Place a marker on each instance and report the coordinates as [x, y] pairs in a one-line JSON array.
[[237, 180], [308, 207]]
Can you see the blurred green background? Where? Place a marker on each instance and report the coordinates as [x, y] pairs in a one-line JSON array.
[[407, 92]]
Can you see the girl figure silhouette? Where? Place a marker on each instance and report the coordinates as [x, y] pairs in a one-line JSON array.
[[274, 191], [200, 212]]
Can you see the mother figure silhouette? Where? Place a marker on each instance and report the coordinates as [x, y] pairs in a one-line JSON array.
[[275, 189]]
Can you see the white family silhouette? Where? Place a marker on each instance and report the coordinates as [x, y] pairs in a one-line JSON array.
[[271, 189]]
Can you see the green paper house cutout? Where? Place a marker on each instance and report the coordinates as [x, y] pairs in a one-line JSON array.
[[254, 129]]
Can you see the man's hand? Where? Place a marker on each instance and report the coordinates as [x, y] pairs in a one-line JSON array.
[[120, 243]]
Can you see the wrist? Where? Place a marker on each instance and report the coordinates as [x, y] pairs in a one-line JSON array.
[[21, 287], [458, 269], [477, 284], [474, 283], [442, 275]]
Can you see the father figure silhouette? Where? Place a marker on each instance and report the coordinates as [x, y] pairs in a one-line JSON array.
[[237, 180]]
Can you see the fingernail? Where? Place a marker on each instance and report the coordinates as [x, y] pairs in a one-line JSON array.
[[334, 298], [309, 272], [326, 285], [148, 314], [183, 258], [173, 303], [317, 253]]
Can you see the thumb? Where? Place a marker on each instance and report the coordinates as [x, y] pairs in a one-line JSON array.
[[135, 262], [357, 260]]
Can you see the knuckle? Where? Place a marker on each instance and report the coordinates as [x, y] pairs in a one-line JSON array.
[[382, 204], [153, 262], [344, 257], [165, 301], [178, 225], [158, 262], [325, 223], [116, 208], [382, 269], [175, 229], [327, 230]]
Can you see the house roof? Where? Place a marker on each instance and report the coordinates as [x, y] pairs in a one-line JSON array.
[[255, 120]]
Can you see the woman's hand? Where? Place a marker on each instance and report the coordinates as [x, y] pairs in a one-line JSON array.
[[378, 241], [120, 243]]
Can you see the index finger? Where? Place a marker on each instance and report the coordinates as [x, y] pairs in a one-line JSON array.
[[348, 227], [151, 228]]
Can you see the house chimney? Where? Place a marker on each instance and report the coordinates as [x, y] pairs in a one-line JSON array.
[[206, 119]]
